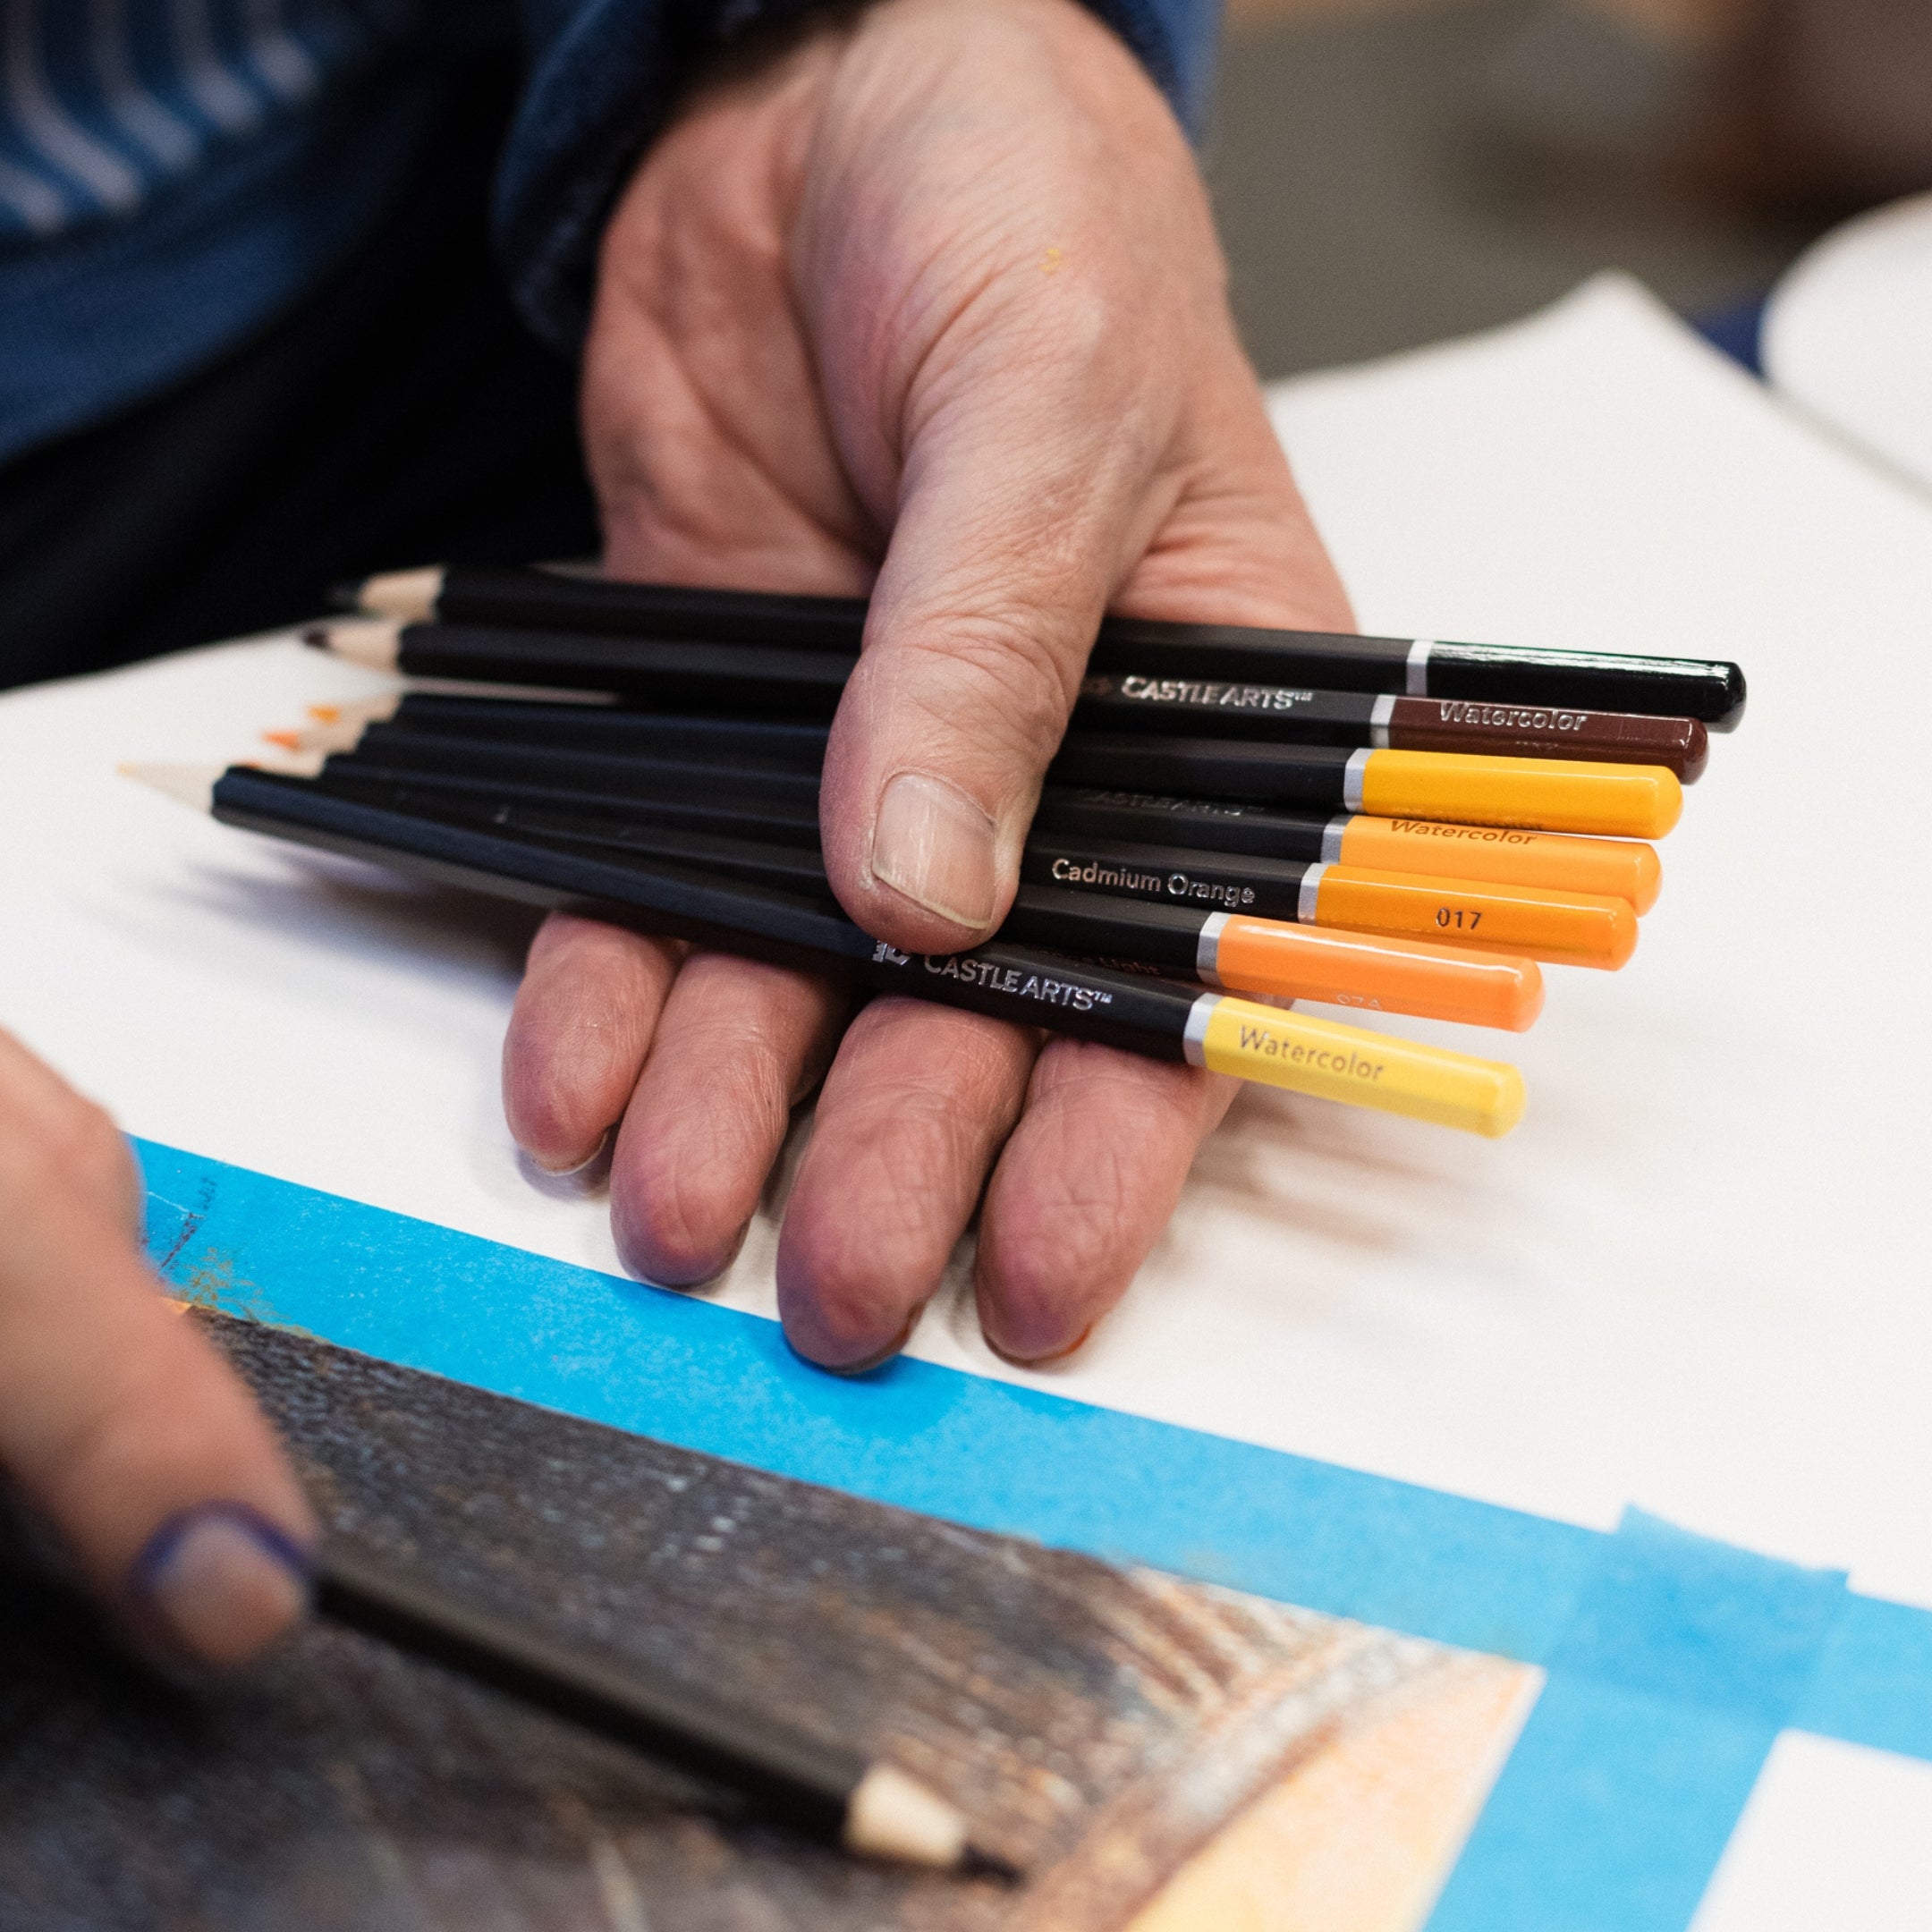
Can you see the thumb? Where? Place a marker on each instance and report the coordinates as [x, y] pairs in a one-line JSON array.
[[979, 627], [1010, 544]]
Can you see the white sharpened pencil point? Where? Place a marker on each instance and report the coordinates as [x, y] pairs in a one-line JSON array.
[[192, 785], [409, 594], [340, 737], [372, 643], [893, 1815]]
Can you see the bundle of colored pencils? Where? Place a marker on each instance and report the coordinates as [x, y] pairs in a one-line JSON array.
[[1392, 825]]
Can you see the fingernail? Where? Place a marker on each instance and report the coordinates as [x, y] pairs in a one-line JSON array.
[[1041, 1362], [576, 1166], [931, 842], [219, 1581]]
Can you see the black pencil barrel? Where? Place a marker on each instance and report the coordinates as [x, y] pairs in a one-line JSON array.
[[696, 807], [543, 600], [1200, 825], [750, 741], [1168, 891], [1292, 774], [800, 1779], [1005, 981], [750, 677], [1711, 690], [1306, 776], [1106, 916], [566, 768], [683, 784]]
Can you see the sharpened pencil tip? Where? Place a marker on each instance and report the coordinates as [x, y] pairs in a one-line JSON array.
[[409, 595], [893, 1815], [373, 642], [192, 785]]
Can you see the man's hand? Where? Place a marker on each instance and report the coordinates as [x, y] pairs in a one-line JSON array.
[[930, 303], [117, 1421]]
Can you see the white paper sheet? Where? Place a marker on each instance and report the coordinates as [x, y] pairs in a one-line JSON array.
[[1845, 337], [1834, 1836], [1694, 1280]]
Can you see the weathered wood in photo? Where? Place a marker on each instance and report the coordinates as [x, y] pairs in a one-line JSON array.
[[1099, 1726]]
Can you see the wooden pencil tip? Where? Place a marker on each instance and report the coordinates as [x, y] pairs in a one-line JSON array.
[[373, 642], [192, 785], [893, 1815], [338, 728], [409, 595]]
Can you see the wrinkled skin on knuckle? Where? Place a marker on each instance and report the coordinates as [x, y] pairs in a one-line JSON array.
[[1008, 188], [995, 673], [703, 423]]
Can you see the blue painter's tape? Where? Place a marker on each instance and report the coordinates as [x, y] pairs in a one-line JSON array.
[[1683, 1660], [989, 1453], [1689, 1620], [1674, 1661], [1609, 1817], [1873, 1684]]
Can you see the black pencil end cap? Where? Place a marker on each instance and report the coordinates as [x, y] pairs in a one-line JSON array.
[[1734, 696]]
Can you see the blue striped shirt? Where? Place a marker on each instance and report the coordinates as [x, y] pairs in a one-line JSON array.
[[174, 173]]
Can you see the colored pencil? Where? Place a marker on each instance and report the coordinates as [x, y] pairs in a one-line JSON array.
[[1712, 692], [1532, 794], [1385, 722], [1566, 929], [756, 743], [1147, 1015], [869, 1806], [1619, 869], [1541, 794], [750, 681], [1241, 952], [783, 795]]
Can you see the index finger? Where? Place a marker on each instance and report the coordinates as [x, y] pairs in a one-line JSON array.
[[121, 1423]]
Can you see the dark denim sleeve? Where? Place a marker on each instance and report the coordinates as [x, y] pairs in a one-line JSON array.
[[603, 72]]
